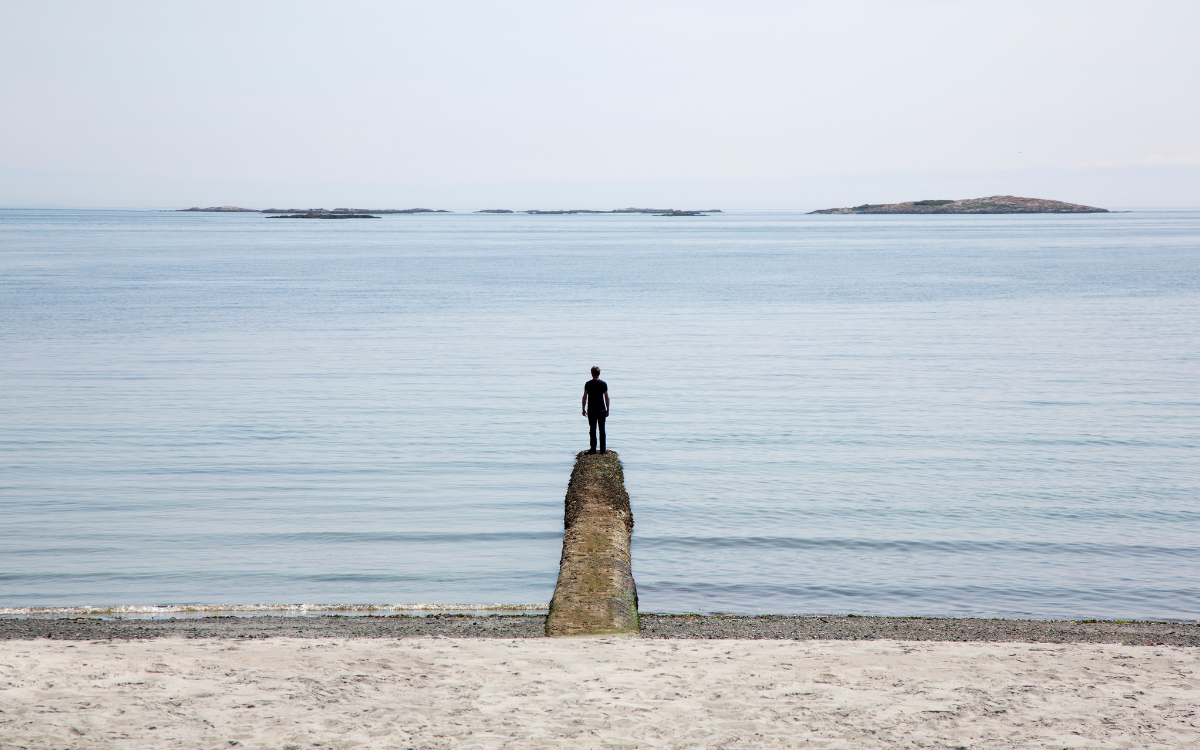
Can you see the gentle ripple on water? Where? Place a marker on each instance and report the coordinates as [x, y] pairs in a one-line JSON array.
[[992, 416]]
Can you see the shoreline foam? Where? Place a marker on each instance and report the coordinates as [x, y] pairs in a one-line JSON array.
[[135, 611]]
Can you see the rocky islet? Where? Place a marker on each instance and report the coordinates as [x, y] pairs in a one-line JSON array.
[[995, 204]]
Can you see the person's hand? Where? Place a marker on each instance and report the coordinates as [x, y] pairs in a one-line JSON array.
[[585, 413]]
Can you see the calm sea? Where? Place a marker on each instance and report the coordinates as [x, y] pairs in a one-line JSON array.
[[940, 415]]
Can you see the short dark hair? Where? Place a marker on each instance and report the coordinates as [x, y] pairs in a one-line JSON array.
[[595, 371]]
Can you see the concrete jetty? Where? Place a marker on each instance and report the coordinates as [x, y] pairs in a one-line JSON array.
[[595, 594]]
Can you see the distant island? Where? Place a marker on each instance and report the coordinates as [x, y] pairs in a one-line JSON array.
[[360, 213], [323, 215], [221, 209], [356, 211], [229, 209], [655, 211], [996, 204]]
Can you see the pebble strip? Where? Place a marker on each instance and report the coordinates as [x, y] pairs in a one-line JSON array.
[[778, 627]]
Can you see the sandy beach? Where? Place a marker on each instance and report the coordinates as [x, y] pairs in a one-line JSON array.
[[438, 692]]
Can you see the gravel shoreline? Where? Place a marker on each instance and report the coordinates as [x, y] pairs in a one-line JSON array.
[[777, 627]]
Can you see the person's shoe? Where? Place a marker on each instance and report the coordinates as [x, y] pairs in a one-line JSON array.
[[591, 451], [603, 451]]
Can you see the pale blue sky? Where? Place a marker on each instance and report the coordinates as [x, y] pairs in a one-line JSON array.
[[599, 105]]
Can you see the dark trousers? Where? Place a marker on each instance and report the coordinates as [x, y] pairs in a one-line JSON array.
[[593, 421]]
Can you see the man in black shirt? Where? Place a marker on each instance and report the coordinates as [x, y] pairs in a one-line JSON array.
[[595, 407]]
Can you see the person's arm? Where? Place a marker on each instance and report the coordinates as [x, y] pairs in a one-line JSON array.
[[607, 407], [584, 404]]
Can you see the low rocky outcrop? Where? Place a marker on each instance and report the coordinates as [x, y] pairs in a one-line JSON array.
[[324, 215], [996, 204], [355, 211], [221, 209], [569, 211], [495, 211], [655, 211], [227, 209], [664, 211]]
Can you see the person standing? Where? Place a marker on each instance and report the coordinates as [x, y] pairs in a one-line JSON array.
[[595, 407]]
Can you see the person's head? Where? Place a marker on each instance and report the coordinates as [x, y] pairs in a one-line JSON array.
[[595, 372]]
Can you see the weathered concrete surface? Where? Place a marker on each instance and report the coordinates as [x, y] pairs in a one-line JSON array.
[[595, 594]]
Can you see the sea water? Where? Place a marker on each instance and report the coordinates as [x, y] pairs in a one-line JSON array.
[[904, 415]]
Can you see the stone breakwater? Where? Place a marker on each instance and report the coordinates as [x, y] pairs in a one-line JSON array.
[[996, 204], [595, 594]]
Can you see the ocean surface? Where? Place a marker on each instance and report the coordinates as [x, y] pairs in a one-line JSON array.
[[903, 415]]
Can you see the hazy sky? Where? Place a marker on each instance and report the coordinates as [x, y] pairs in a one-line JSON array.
[[597, 105]]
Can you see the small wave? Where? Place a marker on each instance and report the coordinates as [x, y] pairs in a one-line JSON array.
[[918, 545], [194, 610]]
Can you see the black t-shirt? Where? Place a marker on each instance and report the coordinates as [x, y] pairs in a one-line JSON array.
[[595, 390]]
